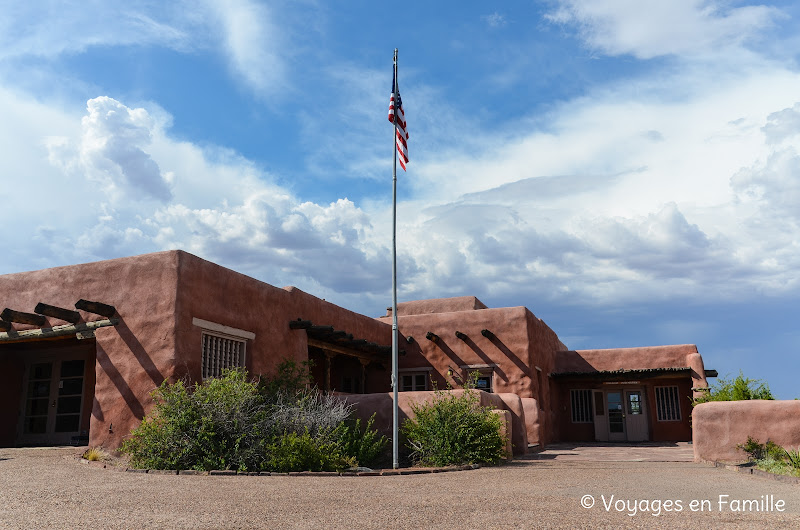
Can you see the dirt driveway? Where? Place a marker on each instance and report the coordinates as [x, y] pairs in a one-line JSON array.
[[49, 488]]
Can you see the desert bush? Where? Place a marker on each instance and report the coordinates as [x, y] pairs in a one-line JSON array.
[[793, 458], [304, 452], [738, 389], [166, 439], [454, 429], [231, 422], [363, 444], [758, 451]]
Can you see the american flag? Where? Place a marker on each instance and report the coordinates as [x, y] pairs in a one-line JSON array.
[[401, 133]]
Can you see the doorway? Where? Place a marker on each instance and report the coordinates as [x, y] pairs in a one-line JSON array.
[[54, 399], [620, 415]]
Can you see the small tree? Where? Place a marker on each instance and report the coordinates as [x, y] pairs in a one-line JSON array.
[[739, 389]]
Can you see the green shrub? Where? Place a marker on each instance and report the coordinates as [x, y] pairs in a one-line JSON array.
[[303, 452], [365, 445], [739, 389], [454, 429], [793, 457], [233, 423], [758, 451], [166, 438]]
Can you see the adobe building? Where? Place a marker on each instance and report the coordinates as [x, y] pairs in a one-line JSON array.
[[82, 347]]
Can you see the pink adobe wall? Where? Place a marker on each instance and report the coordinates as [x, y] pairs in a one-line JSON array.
[[544, 343], [133, 357], [156, 296], [521, 342], [719, 426], [211, 292], [437, 305], [509, 350]]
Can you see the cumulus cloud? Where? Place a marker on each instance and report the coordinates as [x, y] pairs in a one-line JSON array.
[[215, 204], [112, 152], [647, 29]]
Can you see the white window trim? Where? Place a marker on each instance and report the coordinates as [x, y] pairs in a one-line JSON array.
[[222, 329], [225, 333]]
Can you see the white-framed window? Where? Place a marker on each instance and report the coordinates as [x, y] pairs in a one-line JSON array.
[[581, 405], [668, 405], [222, 347], [413, 381]]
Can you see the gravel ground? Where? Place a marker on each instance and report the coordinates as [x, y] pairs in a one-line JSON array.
[[50, 488]]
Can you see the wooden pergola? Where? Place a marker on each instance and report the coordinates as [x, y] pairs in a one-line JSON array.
[[74, 325], [335, 342]]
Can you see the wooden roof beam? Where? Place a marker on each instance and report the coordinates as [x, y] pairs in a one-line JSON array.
[[98, 308], [9, 315], [67, 315]]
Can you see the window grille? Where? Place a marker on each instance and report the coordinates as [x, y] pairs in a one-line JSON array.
[[581, 401], [668, 405], [221, 353]]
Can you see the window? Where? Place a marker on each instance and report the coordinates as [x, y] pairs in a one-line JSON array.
[[634, 403], [351, 385], [667, 403], [484, 382], [223, 347], [221, 353], [581, 401], [599, 404], [413, 382]]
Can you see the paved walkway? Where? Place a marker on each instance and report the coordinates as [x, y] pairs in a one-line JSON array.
[[48, 488], [617, 452]]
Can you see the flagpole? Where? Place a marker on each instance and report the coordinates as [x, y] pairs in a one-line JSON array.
[[395, 381]]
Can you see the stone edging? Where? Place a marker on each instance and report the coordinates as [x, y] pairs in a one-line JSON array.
[[228, 472], [751, 470]]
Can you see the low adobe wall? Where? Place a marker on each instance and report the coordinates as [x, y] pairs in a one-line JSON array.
[[365, 405], [719, 426]]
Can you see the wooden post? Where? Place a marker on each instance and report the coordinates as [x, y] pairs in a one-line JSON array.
[[364, 363]]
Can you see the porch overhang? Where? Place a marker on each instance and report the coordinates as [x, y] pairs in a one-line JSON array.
[[623, 374], [341, 342]]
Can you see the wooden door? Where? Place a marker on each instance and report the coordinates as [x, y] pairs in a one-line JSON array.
[[52, 402], [636, 416]]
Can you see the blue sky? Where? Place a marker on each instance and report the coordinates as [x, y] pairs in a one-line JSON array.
[[627, 170]]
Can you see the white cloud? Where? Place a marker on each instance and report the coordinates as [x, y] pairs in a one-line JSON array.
[[245, 32], [33, 29], [495, 20], [254, 44], [647, 29]]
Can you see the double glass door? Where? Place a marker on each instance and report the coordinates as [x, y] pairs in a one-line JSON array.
[[53, 401]]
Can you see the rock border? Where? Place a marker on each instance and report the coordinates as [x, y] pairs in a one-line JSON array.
[[230, 472], [748, 469]]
